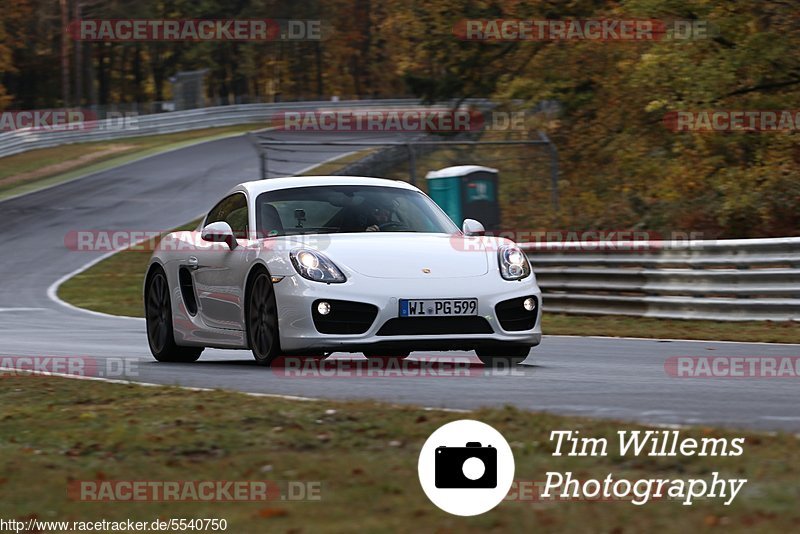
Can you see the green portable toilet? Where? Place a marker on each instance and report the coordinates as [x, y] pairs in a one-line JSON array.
[[467, 192]]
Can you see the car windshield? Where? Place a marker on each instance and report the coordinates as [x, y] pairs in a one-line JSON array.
[[348, 209]]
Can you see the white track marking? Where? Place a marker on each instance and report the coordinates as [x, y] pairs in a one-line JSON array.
[[192, 388], [52, 291]]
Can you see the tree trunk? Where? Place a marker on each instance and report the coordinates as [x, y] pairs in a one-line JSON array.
[[90, 76], [103, 71], [65, 96], [138, 92], [157, 68], [318, 56], [78, 58]]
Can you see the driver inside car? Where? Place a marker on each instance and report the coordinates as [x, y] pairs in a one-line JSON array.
[[377, 217]]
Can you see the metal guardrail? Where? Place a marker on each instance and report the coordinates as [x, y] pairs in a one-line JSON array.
[[727, 280], [22, 140]]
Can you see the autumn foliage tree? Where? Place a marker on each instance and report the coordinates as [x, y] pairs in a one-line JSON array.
[[620, 166]]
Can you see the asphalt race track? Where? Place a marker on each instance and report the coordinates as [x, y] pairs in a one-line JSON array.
[[597, 377]]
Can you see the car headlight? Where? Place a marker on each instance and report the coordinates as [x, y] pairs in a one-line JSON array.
[[513, 263], [315, 266]]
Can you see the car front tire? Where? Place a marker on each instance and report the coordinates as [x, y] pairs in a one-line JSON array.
[[158, 316], [502, 356], [262, 318]]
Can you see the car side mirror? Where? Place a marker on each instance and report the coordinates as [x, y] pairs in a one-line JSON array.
[[472, 227], [219, 232]]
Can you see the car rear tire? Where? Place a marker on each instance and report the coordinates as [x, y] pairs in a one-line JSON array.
[[158, 317], [262, 318], [502, 356]]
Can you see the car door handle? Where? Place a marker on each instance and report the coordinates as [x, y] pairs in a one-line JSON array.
[[193, 262]]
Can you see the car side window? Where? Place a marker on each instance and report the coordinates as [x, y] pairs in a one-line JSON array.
[[232, 210]]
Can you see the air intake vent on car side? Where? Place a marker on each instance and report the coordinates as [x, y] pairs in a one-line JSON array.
[[187, 290]]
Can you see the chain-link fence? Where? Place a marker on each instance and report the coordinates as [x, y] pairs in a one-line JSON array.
[[527, 168]]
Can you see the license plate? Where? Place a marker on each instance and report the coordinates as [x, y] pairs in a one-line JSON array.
[[437, 307]]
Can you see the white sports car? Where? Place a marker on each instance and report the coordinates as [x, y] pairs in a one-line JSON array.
[[314, 265]]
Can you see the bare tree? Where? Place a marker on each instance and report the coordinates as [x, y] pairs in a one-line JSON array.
[[65, 96]]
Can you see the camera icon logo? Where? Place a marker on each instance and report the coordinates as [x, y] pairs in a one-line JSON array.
[[472, 466], [466, 467]]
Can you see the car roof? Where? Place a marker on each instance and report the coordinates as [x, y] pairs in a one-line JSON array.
[[257, 187]]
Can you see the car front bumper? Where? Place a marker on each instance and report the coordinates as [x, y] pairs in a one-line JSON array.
[[295, 297]]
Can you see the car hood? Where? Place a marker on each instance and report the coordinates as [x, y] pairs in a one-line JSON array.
[[407, 255]]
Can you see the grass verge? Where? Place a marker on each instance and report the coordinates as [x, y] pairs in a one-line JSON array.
[[650, 327], [26, 172], [364, 454]]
